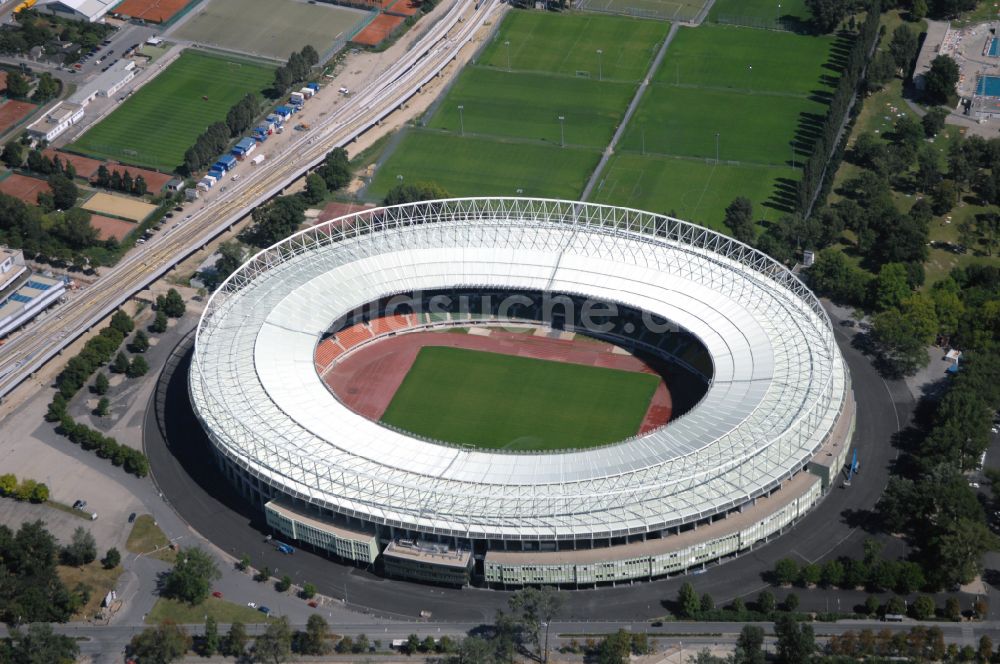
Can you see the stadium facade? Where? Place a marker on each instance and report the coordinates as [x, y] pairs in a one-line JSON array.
[[766, 439]]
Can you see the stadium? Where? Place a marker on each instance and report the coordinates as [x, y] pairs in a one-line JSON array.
[[762, 418]]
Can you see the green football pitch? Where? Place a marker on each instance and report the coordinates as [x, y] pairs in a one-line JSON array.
[[472, 166], [696, 190], [497, 401], [759, 9], [156, 125], [567, 44]]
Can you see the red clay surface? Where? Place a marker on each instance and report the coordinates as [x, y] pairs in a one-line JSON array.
[[156, 11], [13, 112], [366, 380], [107, 227], [87, 168], [378, 30], [404, 7], [334, 210], [23, 187]]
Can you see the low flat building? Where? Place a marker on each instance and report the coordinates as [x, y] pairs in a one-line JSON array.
[[933, 46], [427, 562], [105, 84], [320, 533], [77, 10], [12, 267], [28, 300], [55, 121]]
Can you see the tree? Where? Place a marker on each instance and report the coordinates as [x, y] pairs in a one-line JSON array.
[[310, 55], [766, 602], [230, 259], [101, 383], [314, 639], [121, 363], [952, 610], [173, 304], [64, 192], [81, 550], [786, 571], [162, 644], [791, 602], [933, 121], [832, 574], [191, 578], [962, 543], [411, 193], [923, 608], [243, 563], [688, 601], [902, 335], [210, 639], [13, 154], [111, 559], [707, 603], [903, 47], [39, 493], [138, 367], [275, 644], [103, 407], [827, 14], [47, 88], [308, 590], [283, 584], [57, 408], [940, 80], [236, 640], [335, 169], [810, 574], [17, 85], [739, 220], [796, 642], [316, 189], [159, 324], [122, 322], [533, 606], [39, 645], [749, 646], [140, 342]]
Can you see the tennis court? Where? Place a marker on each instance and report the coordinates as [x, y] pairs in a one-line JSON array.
[[988, 86]]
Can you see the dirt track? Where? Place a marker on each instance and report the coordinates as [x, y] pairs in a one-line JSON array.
[[368, 378]]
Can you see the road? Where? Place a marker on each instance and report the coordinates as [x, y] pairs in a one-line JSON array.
[[25, 353], [177, 449], [110, 640]]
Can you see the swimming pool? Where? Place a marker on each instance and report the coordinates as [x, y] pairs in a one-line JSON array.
[[994, 50], [988, 86]]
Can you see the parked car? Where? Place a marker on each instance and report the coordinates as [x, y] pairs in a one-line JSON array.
[[252, 605], [131, 517], [263, 609], [217, 594], [80, 504]]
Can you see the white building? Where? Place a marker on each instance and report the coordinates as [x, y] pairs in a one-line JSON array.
[[58, 119], [23, 295], [78, 10], [106, 84]]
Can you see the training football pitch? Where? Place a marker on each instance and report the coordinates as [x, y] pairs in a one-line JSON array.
[[694, 189], [268, 28], [472, 166], [759, 9], [507, 138], [156, 125], [498, 401]]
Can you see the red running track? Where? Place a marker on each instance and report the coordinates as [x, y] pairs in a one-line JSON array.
[[367, 379]]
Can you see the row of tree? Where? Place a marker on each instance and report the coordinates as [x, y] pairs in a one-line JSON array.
[[97, 351], [19, 86], [34, 29], [871, 572], [27, 490], [123, 182], [819, 169], [295, 70], [106, 447], [918, 644], [37, 644], [32, 590]]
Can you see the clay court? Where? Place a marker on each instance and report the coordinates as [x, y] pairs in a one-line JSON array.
[[404, 7], [12, 112], [367, 380], [87, 167], [23, 187], [119, 206], [378, 30], [153, 11], [108, 228]]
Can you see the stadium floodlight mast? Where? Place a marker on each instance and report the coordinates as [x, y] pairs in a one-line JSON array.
[[600, 67], [750, 76], [562, 131], [506, 43], [461, 119]]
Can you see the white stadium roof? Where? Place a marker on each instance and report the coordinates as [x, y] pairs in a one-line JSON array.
[[778, 383]]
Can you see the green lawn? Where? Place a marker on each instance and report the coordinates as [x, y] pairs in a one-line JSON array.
[[474, 166], [161, 121], [500, 401], [761, 9], [147, 538], [567, 43], [529, 105], [755, 128], [723, 56], [184, 614], [691, 189]]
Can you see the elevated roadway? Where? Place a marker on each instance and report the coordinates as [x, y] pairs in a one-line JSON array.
[[26, 352]]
